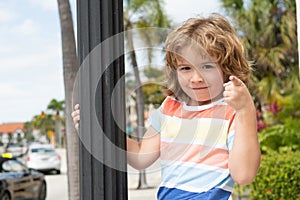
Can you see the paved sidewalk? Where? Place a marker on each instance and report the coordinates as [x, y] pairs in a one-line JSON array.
[[153, 177]]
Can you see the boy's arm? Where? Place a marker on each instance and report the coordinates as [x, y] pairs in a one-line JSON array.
[[142, 154], [244, 157], [139, 154]]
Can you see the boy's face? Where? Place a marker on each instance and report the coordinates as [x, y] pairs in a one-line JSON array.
[[199, 76]]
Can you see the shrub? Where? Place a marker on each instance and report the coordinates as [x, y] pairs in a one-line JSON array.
[[278, 177], [281, 136]]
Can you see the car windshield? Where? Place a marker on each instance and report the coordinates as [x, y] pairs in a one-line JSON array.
[[12, 166], [42, 150]]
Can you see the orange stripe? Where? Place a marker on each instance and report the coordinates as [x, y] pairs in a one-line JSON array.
[[192, 153], [173, 108]]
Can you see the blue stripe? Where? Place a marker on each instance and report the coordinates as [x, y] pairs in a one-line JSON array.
[[194, 177], [165, 193]]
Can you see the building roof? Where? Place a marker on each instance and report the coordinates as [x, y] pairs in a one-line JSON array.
[[11, 127]]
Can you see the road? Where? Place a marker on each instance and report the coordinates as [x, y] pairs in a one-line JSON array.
[[57, 185], [58, 188]]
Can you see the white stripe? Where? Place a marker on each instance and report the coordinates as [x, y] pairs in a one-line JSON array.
[[201, 142], [204, 107], [186, 188], [194, 189], [198, 119], [194, 165]]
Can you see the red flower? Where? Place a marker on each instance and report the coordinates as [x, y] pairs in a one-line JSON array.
[[268, 191], [274, 108], [261, 125]]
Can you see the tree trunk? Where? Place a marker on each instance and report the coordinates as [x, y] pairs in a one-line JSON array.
[[70, 68], [139, 100]]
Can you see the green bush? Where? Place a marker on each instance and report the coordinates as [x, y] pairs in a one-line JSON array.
[[278, 177], [281, 136]]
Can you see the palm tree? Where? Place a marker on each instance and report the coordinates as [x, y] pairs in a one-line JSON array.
[[57, 107], [268, 29], [70, 68], [43, 122], [141, 14]]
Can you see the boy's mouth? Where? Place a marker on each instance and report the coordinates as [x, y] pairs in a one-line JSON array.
[[200, 88]]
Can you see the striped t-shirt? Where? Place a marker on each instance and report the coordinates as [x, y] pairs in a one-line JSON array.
[[195, 144]]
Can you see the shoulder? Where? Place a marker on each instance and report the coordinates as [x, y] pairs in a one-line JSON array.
[[170, 104], [224, 110]]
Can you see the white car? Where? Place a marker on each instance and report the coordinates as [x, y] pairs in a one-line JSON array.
[[16, 149], [43, 157]]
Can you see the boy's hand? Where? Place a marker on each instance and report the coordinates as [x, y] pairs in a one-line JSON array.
[[76, 116], [236, 94]]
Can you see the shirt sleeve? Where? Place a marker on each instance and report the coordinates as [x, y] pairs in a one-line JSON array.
[[155, 119], [231, 133]]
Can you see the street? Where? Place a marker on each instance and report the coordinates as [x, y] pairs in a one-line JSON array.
[[57, 185]]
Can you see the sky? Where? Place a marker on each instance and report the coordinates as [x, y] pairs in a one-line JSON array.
[[30, 52]]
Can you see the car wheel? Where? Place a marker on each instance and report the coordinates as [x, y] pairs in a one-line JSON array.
[[6, 196], [58, 171], [43, 191]]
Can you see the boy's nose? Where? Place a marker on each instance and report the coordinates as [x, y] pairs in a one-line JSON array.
[[196, 77]]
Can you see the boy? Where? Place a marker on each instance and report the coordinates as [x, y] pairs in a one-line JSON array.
[[205, 130]]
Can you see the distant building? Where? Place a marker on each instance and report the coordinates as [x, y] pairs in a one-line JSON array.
[[10, 132]]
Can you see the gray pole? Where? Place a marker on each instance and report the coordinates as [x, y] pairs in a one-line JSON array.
[[101, 96]]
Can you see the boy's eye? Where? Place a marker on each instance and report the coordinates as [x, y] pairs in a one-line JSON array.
[[184, 68], [207, 67]]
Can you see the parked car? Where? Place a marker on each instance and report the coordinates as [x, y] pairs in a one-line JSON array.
[[15, 149], [19, 182], [43, 157]]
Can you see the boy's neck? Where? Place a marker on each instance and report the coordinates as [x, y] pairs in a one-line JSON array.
[[201, 103]]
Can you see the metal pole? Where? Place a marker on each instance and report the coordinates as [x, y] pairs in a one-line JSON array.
[[102, 160]]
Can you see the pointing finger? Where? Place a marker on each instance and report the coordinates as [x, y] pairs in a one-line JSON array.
[[236, 81]]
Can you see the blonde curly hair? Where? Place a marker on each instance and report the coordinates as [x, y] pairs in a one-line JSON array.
[[218, 38]]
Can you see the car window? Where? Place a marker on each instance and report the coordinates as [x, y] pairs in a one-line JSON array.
[[12, 166], [42, 150], [14, 145]]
